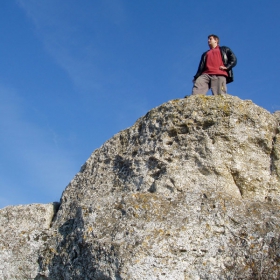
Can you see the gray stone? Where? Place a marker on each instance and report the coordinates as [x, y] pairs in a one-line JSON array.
[[23, 232], [190, 191]]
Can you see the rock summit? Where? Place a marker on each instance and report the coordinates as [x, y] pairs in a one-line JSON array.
[[190, 191]]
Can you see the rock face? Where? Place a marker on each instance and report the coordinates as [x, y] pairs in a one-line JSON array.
[[190, 191], [23, 232]]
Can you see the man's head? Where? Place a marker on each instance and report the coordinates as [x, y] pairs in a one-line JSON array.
[[213, 41]]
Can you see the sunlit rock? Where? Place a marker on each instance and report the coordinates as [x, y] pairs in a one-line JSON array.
[[190, 191]]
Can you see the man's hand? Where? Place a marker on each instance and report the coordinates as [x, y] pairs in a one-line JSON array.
[[223, 68]]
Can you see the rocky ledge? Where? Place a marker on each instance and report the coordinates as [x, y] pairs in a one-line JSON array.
[[190, 191]]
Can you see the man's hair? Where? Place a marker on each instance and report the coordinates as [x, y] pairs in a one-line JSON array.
[[215, 37]]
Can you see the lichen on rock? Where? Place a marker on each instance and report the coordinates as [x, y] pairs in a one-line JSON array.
[[190, 191], [23, 232]]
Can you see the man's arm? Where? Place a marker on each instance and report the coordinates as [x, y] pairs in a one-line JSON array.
[[200, 67], [231, 59]]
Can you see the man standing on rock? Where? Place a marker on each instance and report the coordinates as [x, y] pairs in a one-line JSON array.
[[215, 69]]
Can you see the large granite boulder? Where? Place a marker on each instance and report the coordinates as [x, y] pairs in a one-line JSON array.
[[190, 191]]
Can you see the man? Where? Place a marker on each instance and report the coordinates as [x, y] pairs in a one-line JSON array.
[[215, 69]]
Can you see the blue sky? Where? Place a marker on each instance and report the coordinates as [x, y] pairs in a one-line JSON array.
[[74, 73]]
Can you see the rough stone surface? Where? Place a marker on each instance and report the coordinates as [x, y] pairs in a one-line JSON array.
[[190, 191], [23, 232]]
